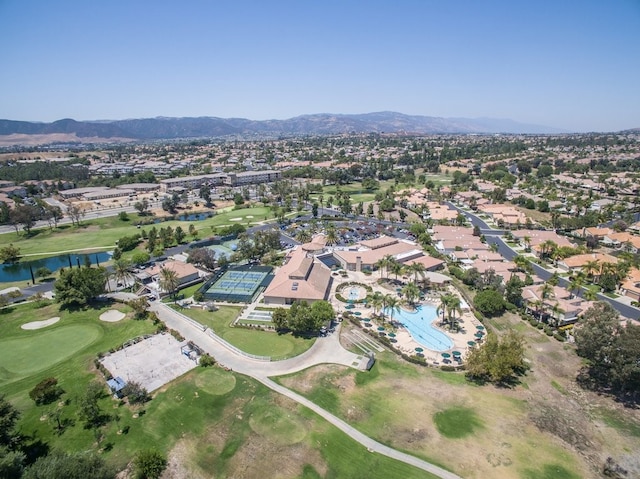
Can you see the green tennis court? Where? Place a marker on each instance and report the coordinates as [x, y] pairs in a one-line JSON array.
[[238, 284]]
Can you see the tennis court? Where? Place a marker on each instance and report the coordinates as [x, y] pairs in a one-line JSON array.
[[238, 284]]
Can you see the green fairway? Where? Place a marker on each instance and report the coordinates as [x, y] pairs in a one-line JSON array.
[[41, 348], [252, 341]]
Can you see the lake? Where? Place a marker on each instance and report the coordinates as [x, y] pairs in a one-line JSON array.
[[22, 271]]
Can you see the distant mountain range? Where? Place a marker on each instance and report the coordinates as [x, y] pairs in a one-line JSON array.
[[211, 127]]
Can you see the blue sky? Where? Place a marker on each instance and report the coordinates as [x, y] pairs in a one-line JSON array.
[[566, 64]]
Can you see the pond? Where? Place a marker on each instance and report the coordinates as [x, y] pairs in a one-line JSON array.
[[22, 271], [194, 217]]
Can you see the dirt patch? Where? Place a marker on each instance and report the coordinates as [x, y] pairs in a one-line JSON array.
[[40, 324]]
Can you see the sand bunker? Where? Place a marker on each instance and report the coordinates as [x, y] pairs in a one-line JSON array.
[[235, 219], [40, 324], [248, 216], [112, 316]]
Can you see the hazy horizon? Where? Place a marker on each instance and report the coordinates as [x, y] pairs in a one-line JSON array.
[[541, 63]]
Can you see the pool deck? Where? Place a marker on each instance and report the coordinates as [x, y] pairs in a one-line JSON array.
[[403, 340]]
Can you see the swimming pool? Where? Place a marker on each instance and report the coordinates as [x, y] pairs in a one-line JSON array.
[[420, 325], [354, 294]]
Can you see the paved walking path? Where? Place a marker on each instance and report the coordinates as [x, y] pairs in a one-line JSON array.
[[325, 350]]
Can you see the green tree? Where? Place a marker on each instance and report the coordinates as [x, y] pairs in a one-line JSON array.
[[498, 360], [77, 287], [135, 393], [513, 290], [43, 272], [149, 464], [140, 257], [193, 232], [89, 409], [489, 302], [142, 206], [9, 254], [179, 234], [280, 319]]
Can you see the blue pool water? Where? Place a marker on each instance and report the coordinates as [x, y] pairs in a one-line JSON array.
[[354, 294], [420, 325]]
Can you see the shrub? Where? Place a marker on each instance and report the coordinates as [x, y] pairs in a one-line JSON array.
[[46, 391], [206, 360], [149, 464], [559, 337]]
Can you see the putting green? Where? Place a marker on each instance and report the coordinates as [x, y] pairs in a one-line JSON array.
[[39, 350]]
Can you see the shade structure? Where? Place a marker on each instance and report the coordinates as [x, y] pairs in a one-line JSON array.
[[456, 353], [480, 327], [357, 313], [471, 343], [392, 335], [419, 350], [366, 320], [446, 355], [380, 328], [349, 306], [478, 335]]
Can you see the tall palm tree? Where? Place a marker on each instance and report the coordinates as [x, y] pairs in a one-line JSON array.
[[396, 268], [443, 306], [454, 306], [393, 306], [556, 311], [169, 281], [576, 283], [122, 271], [411, 292], [417, 269], [382, 264], [527, 242], [376, 301], [546, 292]]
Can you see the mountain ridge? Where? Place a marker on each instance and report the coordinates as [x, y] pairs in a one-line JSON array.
[[311, 124]]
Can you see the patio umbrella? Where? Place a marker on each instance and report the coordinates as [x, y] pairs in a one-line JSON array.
[[419, 350], [456, 353], [471, 343], [380, 328], [366, 320], [446, 355], [392, 335], [349, 306], [478, 335], [357, 313], [480, 327]]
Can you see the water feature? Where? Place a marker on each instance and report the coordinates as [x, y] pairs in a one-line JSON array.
[[420, 325], [194, 217], [354, 294], [22, 271]]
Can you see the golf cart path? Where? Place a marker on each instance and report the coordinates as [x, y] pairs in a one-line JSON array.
[[325, 350]]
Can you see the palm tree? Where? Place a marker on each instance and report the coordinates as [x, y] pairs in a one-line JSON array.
[[591, 268], [396, 268], [303, 235], [418, 269], [547, 248], [121, 271], [376, 300], [443, 306], [169, 281], [411, 292], [556, 311], [546, 292], [454, 305], [382, 264], [332, 235], [527, 243], [393, 306], [576, 283]]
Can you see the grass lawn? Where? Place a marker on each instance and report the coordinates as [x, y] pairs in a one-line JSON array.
[[252, 341]]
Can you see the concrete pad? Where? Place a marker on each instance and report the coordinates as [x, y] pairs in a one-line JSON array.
[[40, 324], [151, 362]]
